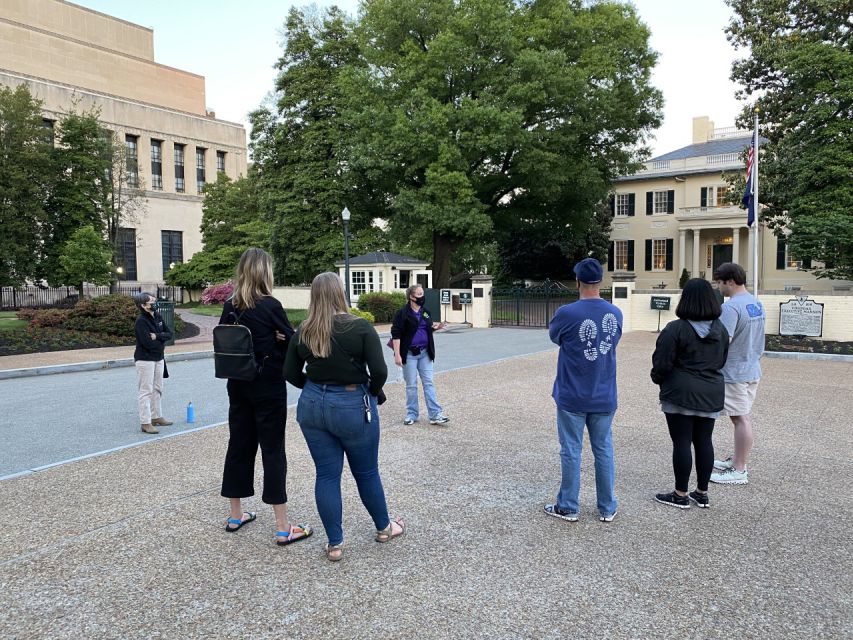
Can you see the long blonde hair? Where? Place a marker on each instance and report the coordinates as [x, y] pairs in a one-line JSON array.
[[327, 301], [254, 278]]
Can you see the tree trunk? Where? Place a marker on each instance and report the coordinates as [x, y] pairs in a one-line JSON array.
[[442, 250]]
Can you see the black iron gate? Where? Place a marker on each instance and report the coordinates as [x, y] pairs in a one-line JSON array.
[[531, 306]]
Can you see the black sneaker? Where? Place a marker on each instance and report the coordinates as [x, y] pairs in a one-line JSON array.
[[701, 499], [562, 514], [673, 499]]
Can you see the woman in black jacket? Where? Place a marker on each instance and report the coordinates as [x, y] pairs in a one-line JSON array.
[[414, 350], [257, 409], [686, 364], [152, 334]]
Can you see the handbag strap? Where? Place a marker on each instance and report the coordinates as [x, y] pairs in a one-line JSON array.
[[355, 363]]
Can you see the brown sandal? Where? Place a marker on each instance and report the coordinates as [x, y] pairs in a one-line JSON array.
[[388, 534], [337, 549]]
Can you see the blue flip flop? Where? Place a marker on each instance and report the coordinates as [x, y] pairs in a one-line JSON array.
[[234, 524]]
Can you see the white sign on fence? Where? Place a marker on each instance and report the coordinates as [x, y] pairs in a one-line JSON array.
[[801, 317]]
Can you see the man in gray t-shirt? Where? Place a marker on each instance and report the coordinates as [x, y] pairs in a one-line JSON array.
[[743, 316]]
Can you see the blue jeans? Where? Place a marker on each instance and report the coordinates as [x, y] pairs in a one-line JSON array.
[[570, 431], [420, 364], [333, 422]]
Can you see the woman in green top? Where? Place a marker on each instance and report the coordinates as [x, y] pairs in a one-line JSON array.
[[337, 409]]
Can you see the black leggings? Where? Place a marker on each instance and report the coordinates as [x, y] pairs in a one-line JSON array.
[[685, 430]]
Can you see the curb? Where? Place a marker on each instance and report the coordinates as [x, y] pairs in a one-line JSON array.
[[95, 365], [793, 355]]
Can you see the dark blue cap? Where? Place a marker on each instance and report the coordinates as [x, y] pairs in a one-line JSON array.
[[589, 271]]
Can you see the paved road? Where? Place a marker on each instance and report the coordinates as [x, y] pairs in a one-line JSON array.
[[51, 419]]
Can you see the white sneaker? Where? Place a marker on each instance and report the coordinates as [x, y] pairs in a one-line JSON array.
[[730, 476], [722, 465]]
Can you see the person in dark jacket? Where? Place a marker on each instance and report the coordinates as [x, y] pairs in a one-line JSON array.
[[152, 334], [686, 364], [414, 350], [257, 409], [336, 359]]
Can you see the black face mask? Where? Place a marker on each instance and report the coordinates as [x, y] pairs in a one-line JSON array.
[[420, 301]]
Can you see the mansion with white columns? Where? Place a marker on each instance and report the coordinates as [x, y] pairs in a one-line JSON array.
[[672, 215]]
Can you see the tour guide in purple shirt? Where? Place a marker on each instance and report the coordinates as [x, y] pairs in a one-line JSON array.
[[587, 332], [414, 350]]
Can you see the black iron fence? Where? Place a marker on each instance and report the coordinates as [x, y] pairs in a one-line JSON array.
[[12, 298], [531, 306]]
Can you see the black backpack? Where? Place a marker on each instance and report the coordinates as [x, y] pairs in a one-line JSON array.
[[234, 352]]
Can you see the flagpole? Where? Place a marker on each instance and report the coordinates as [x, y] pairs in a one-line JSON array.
[[755, 209]]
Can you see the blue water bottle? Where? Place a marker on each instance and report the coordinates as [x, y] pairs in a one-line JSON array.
[[190, 413]]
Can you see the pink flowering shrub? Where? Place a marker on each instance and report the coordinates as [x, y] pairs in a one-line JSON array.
[[218, 293]]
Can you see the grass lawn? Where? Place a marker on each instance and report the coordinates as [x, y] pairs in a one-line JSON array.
[[296, 316], [9, 320]]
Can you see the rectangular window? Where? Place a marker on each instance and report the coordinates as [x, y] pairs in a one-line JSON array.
[[791, 262], [48, 130], [379, 278], [659, 254], [199, 169], [127, 254], [220, 162], [180, 187], [359, 282], [624, 204], [660, 202], [157, 165], [131, 145], [173, 249], [620, 255]]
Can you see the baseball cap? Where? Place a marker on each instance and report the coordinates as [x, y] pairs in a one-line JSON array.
[[589, 271]]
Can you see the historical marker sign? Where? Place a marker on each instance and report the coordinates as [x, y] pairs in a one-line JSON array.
[[465, 298], [660, 303], [445, 296], [801, 317]]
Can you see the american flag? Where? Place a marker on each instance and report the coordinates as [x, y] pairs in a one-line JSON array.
[[748, 194]]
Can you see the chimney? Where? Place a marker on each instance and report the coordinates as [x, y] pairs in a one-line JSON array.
[[703, 129]]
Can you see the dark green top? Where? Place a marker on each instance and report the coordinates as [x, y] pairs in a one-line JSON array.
[[360, 341]]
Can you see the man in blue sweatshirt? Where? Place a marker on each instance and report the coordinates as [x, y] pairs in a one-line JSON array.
[[587, 332]]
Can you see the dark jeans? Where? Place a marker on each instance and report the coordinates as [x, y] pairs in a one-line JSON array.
[[256, 416], [684, 431], [333, 422]]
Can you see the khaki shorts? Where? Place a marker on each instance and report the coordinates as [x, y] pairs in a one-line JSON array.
[[739, 398]]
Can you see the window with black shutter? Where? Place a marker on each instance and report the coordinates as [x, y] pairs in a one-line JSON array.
[[630, 255], [650, 202], [669, 250], [632, 200], [670, 201], [610, 257], [648, 255], [780, 253], [703, 199]]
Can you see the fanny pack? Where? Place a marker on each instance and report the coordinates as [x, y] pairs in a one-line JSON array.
[[416, 351]]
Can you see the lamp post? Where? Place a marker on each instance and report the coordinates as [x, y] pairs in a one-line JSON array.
[[345, 216]]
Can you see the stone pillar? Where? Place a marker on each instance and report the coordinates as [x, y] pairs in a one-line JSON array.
[[736, 245], [696, 235], [481, 303], [682, 248], [624, 284]]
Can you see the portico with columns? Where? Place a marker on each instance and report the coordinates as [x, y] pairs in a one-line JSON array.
[[703, 247]]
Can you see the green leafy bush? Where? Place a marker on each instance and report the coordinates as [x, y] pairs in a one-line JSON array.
[[113, 315], [39, 339], [382, 304], [363, 314]]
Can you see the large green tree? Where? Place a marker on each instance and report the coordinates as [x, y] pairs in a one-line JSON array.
[[231, 223], [24, 171], [304, 180], [86, 257], [799, 74], [477, 116]]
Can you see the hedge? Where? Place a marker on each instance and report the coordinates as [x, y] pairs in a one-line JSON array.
[[382, 304]]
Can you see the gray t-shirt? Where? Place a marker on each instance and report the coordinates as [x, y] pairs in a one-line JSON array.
[[743, 317]]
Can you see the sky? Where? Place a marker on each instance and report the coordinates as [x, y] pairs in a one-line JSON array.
[[235, 44]]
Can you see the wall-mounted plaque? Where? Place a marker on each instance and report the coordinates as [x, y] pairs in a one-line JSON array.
[[801, 317]]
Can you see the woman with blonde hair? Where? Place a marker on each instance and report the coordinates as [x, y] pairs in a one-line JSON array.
[[337, 410], [258, 408]]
